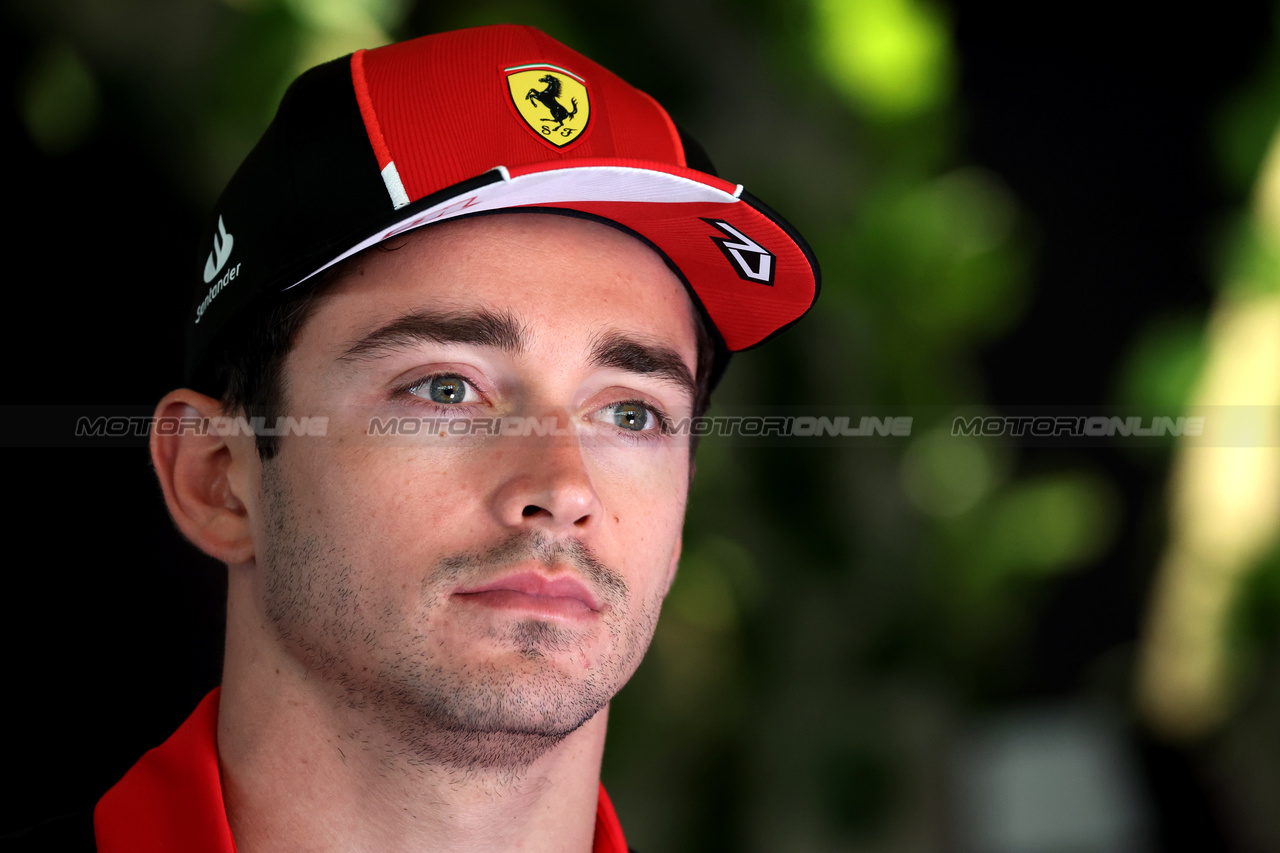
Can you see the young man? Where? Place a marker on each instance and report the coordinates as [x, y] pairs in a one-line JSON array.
[[446, 466]]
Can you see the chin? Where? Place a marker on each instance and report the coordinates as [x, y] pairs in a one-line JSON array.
[[493, 715]]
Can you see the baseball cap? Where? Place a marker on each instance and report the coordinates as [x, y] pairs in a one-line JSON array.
[[462, 123]]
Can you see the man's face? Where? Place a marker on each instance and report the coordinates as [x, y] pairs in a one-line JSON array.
[[483, 583]]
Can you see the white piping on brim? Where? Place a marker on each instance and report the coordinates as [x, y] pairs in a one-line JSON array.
[[577, 184], [395, 189]]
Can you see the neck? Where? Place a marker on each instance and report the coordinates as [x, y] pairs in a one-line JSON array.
[[304, 767]]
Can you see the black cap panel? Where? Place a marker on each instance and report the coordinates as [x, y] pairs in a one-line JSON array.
[[269, 208]]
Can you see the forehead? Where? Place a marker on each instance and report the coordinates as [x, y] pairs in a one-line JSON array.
[[561, 278]]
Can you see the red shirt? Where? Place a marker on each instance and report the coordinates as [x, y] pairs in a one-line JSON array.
[[171, 800]]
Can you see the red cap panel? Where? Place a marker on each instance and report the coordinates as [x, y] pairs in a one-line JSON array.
[[445, 111]]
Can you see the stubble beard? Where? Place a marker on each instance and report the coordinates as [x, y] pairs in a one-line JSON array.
[[421, 708]]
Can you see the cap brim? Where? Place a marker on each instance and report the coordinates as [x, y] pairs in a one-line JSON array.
[[748, 270]]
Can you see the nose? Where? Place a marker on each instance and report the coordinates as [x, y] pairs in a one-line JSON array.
[[546, 485]]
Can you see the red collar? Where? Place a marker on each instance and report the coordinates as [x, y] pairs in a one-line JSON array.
[[171, 799]]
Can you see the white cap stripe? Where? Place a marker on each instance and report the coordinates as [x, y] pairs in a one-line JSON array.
[[575, 184]]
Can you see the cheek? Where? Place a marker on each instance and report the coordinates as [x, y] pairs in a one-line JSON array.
[[647, 479], [392, 500], [643, 494]]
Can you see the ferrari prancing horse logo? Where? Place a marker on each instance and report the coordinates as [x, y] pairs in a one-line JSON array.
[[552, 101]]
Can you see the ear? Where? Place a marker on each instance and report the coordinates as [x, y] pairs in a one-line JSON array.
[[206, 476]]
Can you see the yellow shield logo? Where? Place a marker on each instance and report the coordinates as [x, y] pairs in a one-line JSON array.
[[551, 100]]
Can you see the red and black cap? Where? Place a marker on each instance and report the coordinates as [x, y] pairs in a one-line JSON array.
[[493, 118]]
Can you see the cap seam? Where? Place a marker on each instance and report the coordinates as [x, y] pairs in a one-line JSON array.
[[671, 128], [371, 126]]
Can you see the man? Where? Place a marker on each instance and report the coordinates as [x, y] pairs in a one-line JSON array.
[[455, 315]]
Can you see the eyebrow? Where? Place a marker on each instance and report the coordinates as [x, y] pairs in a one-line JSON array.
[[483, 328], [502, 331], [625, 353]]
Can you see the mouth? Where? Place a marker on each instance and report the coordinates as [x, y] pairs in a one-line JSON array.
[[561, 596]]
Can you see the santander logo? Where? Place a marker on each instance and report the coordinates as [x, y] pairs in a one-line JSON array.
[[222, 243]]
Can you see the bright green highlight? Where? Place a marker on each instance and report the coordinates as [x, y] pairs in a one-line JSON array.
[[892, 58]]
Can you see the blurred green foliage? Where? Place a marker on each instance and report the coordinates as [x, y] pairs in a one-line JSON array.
[[891, 58], [59, 99]]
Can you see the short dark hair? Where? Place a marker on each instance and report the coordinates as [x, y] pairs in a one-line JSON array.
[[248, 372]]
